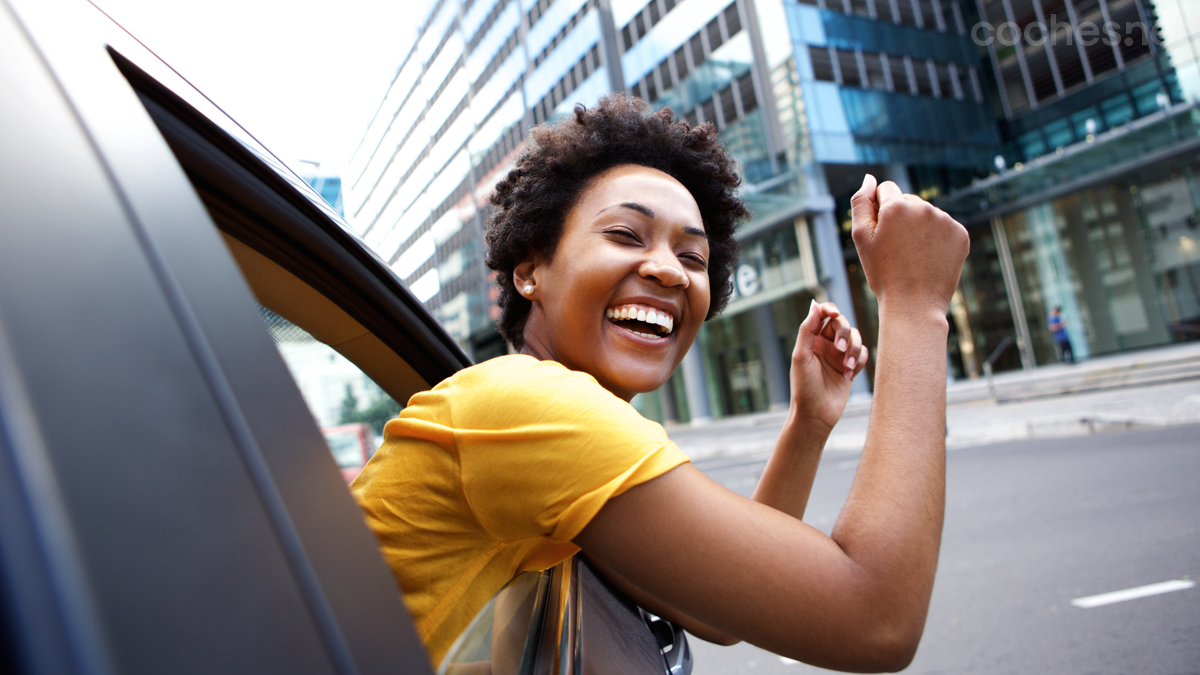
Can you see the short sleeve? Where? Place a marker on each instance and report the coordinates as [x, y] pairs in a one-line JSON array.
[[543, 448]]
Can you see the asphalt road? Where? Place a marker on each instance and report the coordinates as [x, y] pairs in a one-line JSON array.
[[1031, 526]]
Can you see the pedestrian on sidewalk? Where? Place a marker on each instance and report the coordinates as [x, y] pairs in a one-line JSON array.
[[1058, 330]]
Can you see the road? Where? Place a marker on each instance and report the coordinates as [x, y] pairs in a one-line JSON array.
[[1030, 526]]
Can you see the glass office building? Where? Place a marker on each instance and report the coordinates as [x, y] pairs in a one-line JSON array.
[[1069, 164], [483, 72], [1093, 203]]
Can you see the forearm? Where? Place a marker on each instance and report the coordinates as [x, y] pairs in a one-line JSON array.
[[892, 522], [787, 479]]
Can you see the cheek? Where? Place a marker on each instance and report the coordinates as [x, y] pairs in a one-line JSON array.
[[700, 295]]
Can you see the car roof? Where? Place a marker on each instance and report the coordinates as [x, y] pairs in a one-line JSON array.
[[167, 503]]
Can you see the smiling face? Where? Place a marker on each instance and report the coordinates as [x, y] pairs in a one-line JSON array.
[[627, 290]]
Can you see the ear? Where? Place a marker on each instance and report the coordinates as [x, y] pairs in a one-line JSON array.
[[526, 272]]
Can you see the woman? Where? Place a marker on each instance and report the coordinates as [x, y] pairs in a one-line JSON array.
[[612, 240]]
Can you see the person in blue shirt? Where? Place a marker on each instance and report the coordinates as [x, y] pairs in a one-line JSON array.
[[1058, 330]]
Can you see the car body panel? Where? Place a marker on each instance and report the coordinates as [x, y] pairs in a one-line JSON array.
[[173, 507]]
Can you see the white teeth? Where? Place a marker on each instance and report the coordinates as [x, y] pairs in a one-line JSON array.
[[651, 316]]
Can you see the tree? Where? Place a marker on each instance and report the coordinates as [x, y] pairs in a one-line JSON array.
[[349, 406], [382, 409]]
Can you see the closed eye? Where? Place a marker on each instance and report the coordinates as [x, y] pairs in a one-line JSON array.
[[624, 233]]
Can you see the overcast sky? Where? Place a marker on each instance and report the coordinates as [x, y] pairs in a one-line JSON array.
[[304, 77]]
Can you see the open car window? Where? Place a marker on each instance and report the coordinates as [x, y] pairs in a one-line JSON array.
[[352, 335]]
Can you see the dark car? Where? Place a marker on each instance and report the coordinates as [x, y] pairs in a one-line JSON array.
[[167, 501]]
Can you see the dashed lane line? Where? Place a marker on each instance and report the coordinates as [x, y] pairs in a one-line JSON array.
[[1132, 593]]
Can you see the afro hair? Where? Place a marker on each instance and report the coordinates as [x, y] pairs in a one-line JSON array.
[[531, 203]]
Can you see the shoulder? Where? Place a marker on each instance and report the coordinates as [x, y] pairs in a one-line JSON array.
[[525, 378], [518, 390]]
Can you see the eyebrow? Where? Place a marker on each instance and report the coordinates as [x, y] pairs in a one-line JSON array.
[[640, 208], [649, 213]]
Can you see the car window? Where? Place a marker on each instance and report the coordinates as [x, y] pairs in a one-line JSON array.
[[504, 637], [357, 343], [348, 406]]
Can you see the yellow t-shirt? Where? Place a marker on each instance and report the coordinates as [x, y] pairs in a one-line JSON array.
[[492, 473]]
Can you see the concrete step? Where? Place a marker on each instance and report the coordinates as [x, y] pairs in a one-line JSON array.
[[1084, 377]]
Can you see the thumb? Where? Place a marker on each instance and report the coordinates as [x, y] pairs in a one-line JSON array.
[[864, 206]]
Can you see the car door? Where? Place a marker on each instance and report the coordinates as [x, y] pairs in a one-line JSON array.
[[167, 503]]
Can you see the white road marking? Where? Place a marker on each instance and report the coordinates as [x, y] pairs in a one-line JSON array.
[[1132, 593]]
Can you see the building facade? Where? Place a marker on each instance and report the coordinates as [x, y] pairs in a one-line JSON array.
[[808, 95], [1093, 202]]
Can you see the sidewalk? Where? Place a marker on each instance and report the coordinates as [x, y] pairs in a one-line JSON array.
[[1152, 388]]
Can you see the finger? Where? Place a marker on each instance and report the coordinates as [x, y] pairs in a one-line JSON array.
[[888, 191], [837, 331], [864, 205], [868, 188], [863, 355], [852, 352], [828, 311], [810, 327]]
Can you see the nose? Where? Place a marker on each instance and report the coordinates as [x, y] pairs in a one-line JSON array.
[[663, 267]]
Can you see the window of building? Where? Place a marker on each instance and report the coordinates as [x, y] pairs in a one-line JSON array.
[[745, 85], [486, 25], [900, 80], [859, 8], [564, 31], [1037, 62], [681, 62], [709, 111], [875, 71], [921, 76], [822, 64], [733, 21], [713, 32], [575, 76], [643, 21], [505, 49], [945, 83], [539, 8], [848, 65], [728, 106], [883, 11], [651, 88]]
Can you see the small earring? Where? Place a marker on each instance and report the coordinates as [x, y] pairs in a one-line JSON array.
[[528, 289]]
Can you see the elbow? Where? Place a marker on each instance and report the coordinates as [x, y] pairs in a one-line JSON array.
[[712, 635], [892, 647], [723, 640]]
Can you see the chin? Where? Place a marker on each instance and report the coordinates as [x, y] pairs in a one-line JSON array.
[[627, 387]]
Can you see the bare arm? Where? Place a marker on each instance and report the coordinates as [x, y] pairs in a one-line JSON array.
[[828, 355], [856, 600]]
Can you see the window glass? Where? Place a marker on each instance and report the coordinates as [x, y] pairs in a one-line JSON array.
[[348, 406]]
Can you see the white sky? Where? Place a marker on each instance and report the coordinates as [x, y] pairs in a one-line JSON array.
[[304, 77]]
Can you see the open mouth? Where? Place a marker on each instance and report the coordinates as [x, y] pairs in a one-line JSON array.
[[643, 321]]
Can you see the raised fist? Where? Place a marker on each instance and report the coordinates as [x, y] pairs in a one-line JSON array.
[[911, 251]]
